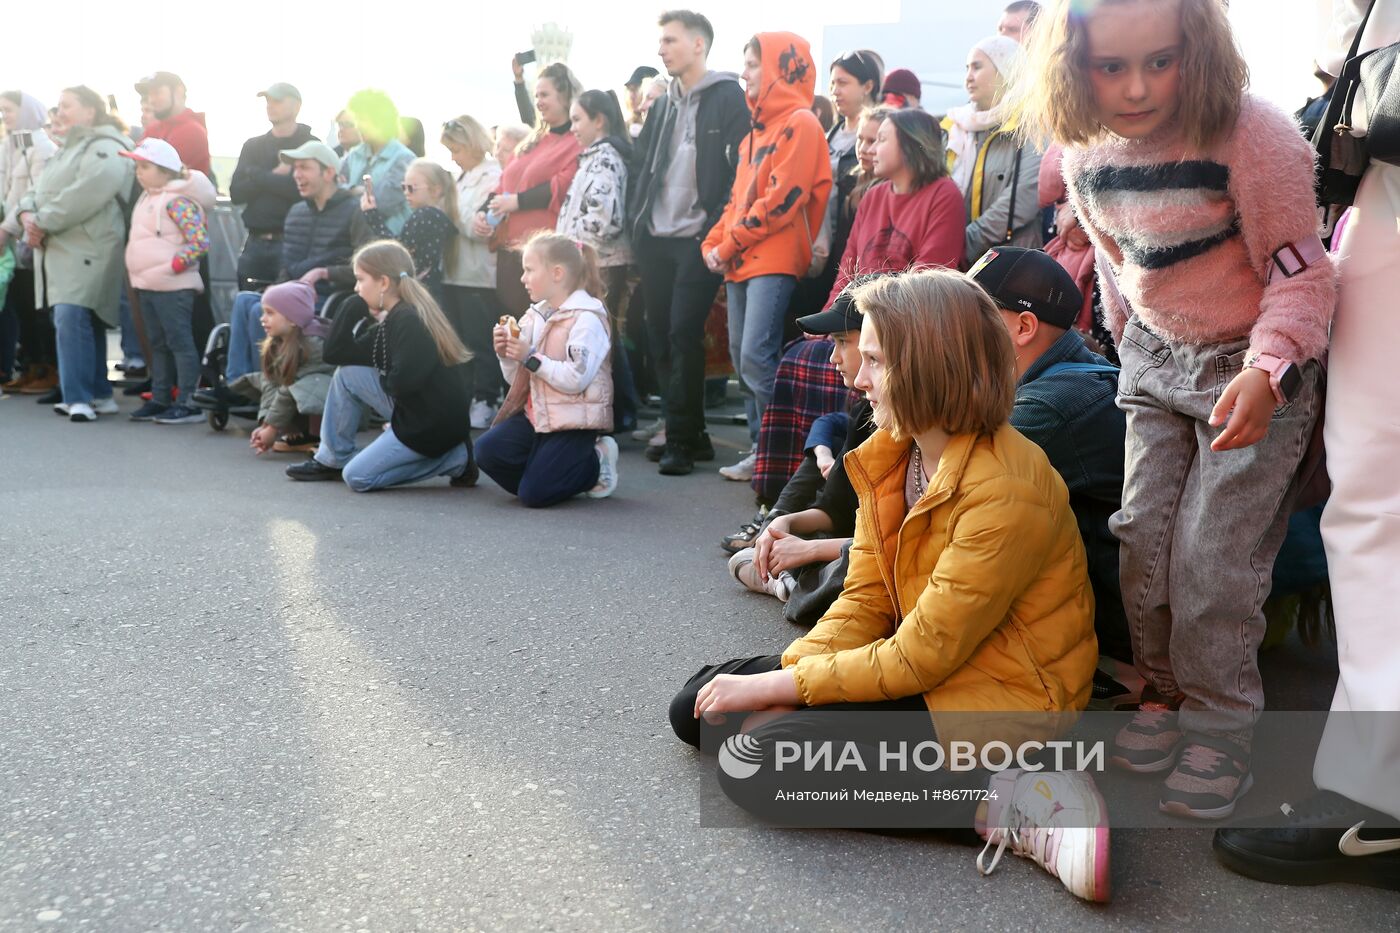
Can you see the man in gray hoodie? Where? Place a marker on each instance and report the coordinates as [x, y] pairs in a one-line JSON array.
[[686, 156]]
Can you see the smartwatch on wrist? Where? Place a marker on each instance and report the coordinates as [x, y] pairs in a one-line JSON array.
[[1283, 375], [532, 363]]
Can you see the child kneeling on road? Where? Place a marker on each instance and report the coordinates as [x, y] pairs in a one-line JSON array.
[[294, 380], [544, 445]]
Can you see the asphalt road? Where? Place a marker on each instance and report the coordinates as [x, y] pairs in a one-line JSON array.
[[234, 702]]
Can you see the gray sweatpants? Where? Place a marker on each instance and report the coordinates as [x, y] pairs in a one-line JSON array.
[[1200, 529]]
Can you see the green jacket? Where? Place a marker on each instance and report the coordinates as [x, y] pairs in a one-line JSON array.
[[75, 202]]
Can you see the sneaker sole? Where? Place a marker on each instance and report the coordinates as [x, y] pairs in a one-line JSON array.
[[1151, 767], [1308, 873], [191, 419], [1177, 808]]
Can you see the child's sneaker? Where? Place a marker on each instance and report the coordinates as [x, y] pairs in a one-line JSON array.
[[607, 468], [179, 414], [1149, 743], [1212, 775], [149, 411], [1057, 819]]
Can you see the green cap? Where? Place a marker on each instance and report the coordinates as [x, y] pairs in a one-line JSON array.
[[312, 150], [281, 91]]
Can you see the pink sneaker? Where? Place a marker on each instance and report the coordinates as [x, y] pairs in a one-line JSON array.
[[1057, 819]]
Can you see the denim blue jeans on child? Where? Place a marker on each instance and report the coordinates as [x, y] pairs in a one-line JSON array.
[[1200, 529], [387, 461]]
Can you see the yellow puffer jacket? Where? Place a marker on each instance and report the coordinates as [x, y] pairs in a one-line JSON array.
[[978, 599]]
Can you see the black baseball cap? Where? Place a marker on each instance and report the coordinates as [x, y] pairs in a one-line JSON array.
[[841, 317], [641, 74], [1021, 279]]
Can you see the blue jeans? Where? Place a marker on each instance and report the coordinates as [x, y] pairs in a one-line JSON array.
[[174, 359], [541, 469], [387, 461], [82, 355], [245, 335], [756, 311], [131, 341]]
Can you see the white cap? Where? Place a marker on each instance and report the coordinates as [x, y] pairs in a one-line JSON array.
[[157, 152]]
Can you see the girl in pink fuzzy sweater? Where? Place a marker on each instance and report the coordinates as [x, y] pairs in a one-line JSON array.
[[1198, 198]]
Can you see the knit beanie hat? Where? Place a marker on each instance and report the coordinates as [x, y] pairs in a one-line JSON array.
[[296, 301], [1005, 54], [902, 83]]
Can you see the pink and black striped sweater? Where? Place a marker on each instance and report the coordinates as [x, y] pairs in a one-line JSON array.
[[1191, 234]]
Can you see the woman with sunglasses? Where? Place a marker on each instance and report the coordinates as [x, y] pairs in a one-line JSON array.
[[432, 201]]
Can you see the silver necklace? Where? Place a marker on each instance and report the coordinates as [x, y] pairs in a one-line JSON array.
[[920, 481]]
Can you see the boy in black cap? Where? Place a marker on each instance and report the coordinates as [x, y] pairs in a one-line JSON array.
[[1066, 402], [785, 559]]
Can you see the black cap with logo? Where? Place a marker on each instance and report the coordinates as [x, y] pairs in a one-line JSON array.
[[1021, 279]]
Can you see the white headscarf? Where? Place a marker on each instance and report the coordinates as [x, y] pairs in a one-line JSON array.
[[32, 114], [967, 121]]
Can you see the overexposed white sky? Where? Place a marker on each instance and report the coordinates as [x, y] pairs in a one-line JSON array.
[[438, 59]]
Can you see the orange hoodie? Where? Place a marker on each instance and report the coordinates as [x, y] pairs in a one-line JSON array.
[[784, 175]]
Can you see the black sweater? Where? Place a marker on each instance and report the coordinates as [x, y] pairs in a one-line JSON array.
[[431, 400], [838, 498], [266, 196]]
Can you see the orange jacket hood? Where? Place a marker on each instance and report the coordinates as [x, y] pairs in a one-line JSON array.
[[788, 79]]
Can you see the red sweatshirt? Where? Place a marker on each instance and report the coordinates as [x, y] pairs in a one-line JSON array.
[[185, 131], [894, 231]]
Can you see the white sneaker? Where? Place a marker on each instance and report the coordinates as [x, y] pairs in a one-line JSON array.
[[81, 412], [61, 408], [482, 414], [646, 432], [742, 569], [658, 439], [105, 406], [742, 471], [607, 468], [1057, 819]]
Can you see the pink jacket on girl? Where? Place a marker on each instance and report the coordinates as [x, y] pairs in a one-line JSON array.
[[573, 388], [168, 229]]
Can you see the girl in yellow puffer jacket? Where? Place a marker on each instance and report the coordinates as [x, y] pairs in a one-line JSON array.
[[966, 615]]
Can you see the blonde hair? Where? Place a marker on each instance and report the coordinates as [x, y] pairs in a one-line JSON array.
[[578, 259], [440, 178], [567, 86], [389, 259], [1053, 99], [466, 131], [949, 363]]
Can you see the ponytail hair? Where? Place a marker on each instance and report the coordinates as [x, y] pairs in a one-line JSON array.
[[388, 259], [578, 259], [94, 102], [568, 88]]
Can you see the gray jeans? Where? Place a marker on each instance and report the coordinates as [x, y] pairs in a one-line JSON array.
[[174, 358], [1200, 529]]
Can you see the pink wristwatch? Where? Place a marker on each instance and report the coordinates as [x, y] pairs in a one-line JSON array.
[[1283, 375]]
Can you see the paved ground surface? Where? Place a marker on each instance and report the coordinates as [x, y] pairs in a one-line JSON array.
[[232, 702]]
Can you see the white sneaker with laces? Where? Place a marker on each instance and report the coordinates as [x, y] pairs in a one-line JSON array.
[[81, 412], [105, 406], [742, 471], [607, 468], [646, 432], [1057, 819], [482, 413]]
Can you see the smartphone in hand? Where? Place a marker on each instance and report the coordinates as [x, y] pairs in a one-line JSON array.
[[525, 58]]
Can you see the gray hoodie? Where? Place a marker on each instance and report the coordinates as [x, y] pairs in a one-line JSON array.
[[677, 211]]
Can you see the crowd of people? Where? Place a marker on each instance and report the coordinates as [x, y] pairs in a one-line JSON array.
[[1034, 388]]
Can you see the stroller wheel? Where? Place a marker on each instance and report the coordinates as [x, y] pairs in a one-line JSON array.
[[218, 420]]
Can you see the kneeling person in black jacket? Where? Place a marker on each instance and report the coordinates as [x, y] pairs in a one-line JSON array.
[[409, 367]]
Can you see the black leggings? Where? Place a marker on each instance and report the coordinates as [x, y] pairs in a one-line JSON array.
[[909, 722]]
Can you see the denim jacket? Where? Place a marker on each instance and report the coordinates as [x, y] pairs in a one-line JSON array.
[[386, 169], [1074, 418]]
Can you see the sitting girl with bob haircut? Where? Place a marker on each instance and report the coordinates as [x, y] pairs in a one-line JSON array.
[[967, 591]]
